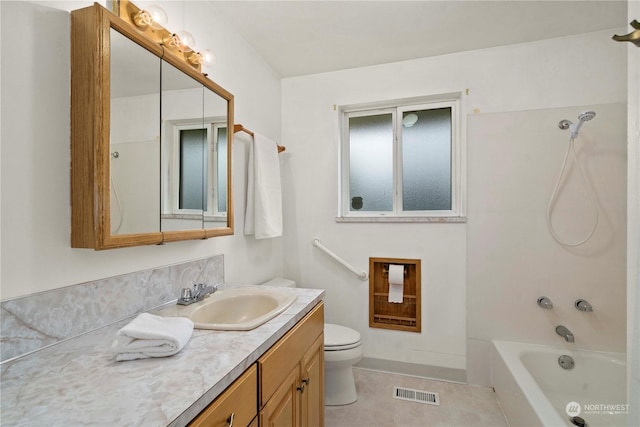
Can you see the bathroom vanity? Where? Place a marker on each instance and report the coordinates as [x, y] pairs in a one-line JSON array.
[[285, 386], [271, 373]]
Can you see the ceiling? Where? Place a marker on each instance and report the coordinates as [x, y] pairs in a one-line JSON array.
[[306, 37]]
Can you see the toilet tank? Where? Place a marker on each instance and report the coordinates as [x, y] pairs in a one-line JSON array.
[[280, 282]]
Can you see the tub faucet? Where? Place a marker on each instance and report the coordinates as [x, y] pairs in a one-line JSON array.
[[199, 292], [565, 333]]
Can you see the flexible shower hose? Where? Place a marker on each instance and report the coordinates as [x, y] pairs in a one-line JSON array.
[[589, 191]]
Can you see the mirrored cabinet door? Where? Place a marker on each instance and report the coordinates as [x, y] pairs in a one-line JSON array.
[[184, 146], [134, 138], [217, 157]]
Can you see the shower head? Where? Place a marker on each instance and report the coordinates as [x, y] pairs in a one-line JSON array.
[[585, 116]]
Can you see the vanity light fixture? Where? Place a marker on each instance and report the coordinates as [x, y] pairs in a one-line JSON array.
[[187, 41], [183, 41], [153, 16], [206, 57], [151, 21]]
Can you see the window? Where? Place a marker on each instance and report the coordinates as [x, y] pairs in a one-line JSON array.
[[197, 154], [401, 162]]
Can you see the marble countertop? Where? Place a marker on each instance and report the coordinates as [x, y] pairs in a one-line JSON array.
[[79, 383]]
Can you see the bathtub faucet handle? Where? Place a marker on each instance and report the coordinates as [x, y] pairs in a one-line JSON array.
[[583, 305], [545, 303]]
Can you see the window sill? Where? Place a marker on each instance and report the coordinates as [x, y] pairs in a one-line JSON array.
[[404, 219], [197, 217]]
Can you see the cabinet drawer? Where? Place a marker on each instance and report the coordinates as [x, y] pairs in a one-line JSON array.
[[239, 399], [287, 353]]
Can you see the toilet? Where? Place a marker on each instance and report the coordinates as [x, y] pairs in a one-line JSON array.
[[342, 349]]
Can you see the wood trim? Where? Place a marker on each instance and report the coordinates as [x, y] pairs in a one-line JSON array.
[[84, 48], [175, 236]]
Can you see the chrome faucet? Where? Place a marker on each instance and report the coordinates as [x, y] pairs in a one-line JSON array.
[[565, 333], [583, 305], [199, 292]]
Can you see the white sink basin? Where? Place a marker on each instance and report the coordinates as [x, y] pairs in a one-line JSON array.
[[238, 309]]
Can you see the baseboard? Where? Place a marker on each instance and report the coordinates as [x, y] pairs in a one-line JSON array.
[[413, 369]]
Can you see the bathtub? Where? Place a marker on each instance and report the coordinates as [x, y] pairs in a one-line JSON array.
[[535, 391]]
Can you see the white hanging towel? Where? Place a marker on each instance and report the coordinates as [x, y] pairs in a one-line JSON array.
[[263, 216]]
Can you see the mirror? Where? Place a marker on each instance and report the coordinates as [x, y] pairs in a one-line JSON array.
[[194, 154], [134, 138], [184, 151], [149, 139]]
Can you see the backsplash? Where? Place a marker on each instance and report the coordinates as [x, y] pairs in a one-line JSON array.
[[34, 321]]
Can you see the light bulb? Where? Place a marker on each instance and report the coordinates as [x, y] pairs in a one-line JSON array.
[[208, 57], [187, 42], [158, 16], [205, 57], [153, 16]]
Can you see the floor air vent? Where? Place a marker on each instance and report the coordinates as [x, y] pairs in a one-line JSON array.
[[416, 395]]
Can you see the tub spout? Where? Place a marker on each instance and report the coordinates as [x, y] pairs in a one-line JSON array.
[[565, 333]]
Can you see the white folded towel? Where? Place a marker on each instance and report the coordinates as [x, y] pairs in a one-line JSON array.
[[152, 336], [263, 216]]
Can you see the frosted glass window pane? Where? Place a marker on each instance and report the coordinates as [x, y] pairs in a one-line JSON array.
[[426, 161], [371, 163], [221, 169], [192, 169]]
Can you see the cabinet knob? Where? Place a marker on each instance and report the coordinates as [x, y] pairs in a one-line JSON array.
[[306, 381], [230, 419], [300, 388]]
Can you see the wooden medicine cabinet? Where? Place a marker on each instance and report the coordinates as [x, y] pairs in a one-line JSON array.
[[150, 138]]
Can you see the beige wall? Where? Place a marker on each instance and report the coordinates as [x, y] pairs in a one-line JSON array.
[[512, 258]]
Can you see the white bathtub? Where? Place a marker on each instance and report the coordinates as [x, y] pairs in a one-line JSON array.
[[534, 390]]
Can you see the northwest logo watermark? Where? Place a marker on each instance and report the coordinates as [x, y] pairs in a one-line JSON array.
[[573, 409]]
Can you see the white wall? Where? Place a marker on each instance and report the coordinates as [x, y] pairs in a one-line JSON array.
[[633, 225], [569, 71], [35, 197]]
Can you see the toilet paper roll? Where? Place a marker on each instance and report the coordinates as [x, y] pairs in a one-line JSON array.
[[396, 283]]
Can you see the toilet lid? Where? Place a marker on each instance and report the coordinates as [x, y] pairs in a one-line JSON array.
[[338, 337]]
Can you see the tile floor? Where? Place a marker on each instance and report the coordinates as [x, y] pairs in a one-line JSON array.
[[461, 405]]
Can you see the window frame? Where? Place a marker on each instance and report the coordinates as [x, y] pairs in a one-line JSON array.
[[172, 201], [397, 108]]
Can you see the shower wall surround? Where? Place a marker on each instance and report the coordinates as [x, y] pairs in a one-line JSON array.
[[34, 321]]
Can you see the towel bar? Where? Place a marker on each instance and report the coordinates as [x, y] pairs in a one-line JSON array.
[[237, 128]]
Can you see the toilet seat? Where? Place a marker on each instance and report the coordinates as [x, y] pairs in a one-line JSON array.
[[337, 337]]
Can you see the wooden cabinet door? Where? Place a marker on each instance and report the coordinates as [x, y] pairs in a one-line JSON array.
[[312, 376], [283, 409], [238, 404]]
